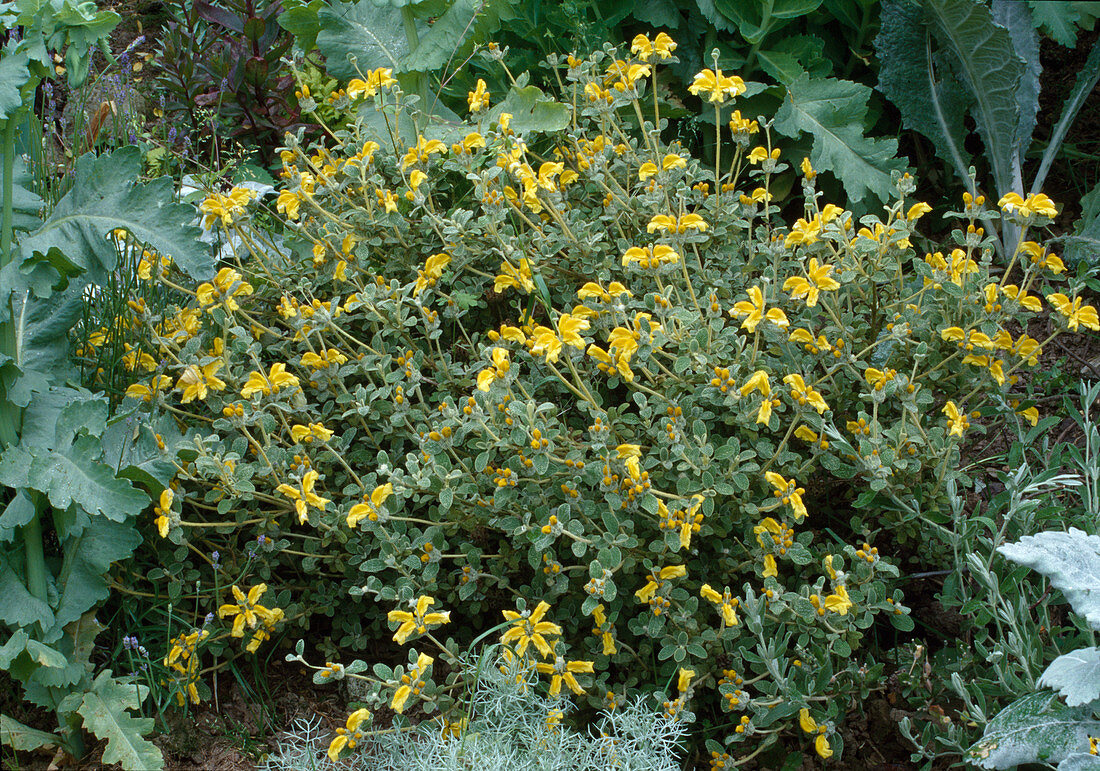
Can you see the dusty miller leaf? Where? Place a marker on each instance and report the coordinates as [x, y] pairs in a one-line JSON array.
[[1080, 761], [1036, 728], [1075, 675], [833, 112], [1071, 561]]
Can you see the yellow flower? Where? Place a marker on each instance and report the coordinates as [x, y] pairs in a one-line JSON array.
[[478, 99], [570, 328], [680, 225], [288, 203], [432, 272], [227, 285], [158, 384], [726, 604], [810, 726], [387, 200], [163, 509], [418, 621], [248, 610], [804, 394], [683, 681], [838, 602], [757, 382], [546, 343], [717, 85], [307, 434], [411, 683], [753, 310], [350, 735], [1025, 207], [743, 127], [787, 492], [770, 568], [818, 280], [916, 211], [647, 170], [957, 421], [422, 151], [370, 507], [528, 628], [466, 147], [218, 206], [650, 257], [277, 379], [760, 154], [197, 383], [562, 670], [519, 278], [1028, 301], [1075, 313], [304, 496]]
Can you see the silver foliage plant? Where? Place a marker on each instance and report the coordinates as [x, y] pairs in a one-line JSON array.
[[1058, 727], [511, 727]]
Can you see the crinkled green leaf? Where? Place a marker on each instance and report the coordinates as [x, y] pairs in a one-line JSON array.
[[105, 714], [73, 474], [923, 88], [1075, 675], [453, 34], [532, 111], [18, 607], [14, 75], [1084, 244], [1036, 728], [26, 205], [374, 36], [832, 111], [1014, 17], [1080, 761], [88, 559], [987, 63], [1059, 20], [103, 198], [24, 738], [18, 512], [1070, 560]]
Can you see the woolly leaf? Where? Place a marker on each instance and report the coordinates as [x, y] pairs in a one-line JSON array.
[[18, 607], [105, 714], [374, 36], [1071, 561], [1080, 761], [1014, 17], [1036, 728], [1075, 675], [14, 75], [929, 97], [24, 738], [104, 197], [832, 111]]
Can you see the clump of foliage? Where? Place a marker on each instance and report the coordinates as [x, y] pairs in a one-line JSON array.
[[540, 363], [506, 723]]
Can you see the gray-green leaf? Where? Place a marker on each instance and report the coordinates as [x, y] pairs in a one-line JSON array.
[[1036, 728], [1075, 675], [105, 714], [1070, 560], [374, 36]]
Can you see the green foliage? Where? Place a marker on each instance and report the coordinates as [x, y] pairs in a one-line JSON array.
[[576, 373], [105, 712], [833, 112], [945, 59]]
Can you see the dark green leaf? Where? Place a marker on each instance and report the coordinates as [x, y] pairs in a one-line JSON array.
[[374, 36]]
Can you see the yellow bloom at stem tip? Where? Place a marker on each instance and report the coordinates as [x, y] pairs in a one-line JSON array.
[[418, 621], [716, 85], [349, 735], [1075, 313], [303, 496], [1037, 203], [371, 505], [754, 311], [528, 628], [817, 280]]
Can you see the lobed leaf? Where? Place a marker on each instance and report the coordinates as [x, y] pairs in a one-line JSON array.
[[1070, 560], [833, 112], [1035, 728], [105, 714], [1075, 675], [24, 738]]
